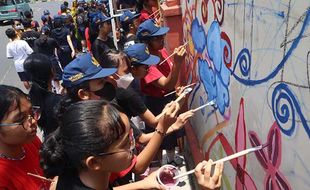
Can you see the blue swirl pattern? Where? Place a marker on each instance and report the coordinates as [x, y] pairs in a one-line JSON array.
[[285, 106]]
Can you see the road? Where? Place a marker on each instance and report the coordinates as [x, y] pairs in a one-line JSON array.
[[8, 74]]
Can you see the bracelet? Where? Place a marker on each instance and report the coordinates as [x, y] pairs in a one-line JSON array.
[[159, 132]]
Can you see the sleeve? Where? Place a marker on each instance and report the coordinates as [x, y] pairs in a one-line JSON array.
[[144, 16], [67, 32], [27, 48], [153, 75], [131, 102], [9, 54]]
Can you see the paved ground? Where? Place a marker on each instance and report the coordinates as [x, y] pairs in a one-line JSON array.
[[8, 74]]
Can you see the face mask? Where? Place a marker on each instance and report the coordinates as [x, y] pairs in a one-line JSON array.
[[107, 92], [18, 27], [124, 81]]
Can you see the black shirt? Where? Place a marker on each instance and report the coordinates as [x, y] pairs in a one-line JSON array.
[[30, 37], [60, 35], [46, 47], [99, 46], [71, 181], [132, 105], [130, 101]]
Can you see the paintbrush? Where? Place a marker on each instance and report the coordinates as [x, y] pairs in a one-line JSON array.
[[233, 156], [172, 54], [176, 91], [155, 12], [185, 92], [40, 177], [211, 103]]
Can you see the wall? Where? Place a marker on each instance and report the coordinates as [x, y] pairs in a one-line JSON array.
[[252, 57]]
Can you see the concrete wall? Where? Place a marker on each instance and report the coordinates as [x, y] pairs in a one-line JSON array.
[[252, 57]]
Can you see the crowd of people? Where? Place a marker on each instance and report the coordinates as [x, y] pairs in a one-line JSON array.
[[99, 99]]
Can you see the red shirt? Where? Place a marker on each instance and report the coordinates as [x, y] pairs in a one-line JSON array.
[[13, 173], [144, 14], [155, 73], [121, 174]]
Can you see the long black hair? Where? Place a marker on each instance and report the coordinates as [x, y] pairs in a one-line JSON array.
[[9, 96], [86, 128], [39, 68]]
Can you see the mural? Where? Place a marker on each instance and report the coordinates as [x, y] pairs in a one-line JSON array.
[[252, 57]]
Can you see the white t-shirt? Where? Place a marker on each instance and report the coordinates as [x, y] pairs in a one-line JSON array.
[[18, 50]]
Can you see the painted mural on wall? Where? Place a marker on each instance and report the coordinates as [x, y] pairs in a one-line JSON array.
[[252, 57]]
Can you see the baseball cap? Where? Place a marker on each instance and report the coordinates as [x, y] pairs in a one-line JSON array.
[[81, 1], [43, 18], [100, 18], [46, 12], [63, 7], [84, 68], [139, 54], [128, 16], [149, 29]]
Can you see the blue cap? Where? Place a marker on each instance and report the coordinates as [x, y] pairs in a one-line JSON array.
[[81, 1], [139, 54], [127, 16], [43, 18], [63, 7], [100, 18], [84, 68], [45, 29], [46, 12], [149, 29]]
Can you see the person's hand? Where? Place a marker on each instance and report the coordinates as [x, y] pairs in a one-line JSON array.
[[179, 93], [204, 177], [151, 181], [167, 106], [170, 115], [179, 54], [182, 119], [72, 54]]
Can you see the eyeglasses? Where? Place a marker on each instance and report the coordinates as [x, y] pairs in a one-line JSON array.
[[36, 114], [130, 150]]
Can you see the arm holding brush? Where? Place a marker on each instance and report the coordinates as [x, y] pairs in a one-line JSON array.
[[204, 177], [169, 82]]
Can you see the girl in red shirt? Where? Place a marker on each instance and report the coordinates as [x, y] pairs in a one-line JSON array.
[[161, 78], [19, 145]]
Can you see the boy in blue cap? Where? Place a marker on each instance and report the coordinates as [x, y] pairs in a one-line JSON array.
[[103, 41], [130, 23], [161, 78]]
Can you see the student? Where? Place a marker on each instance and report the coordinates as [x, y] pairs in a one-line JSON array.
[[40, 71], [18, 50], [62, 35], [129, 23], [94, 140], [29, 35], [34, 24], [81, 25], [48, 46], [148, 9], [103, 42], [47, 20], [161, 78], [19, 145], [18, 27]]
